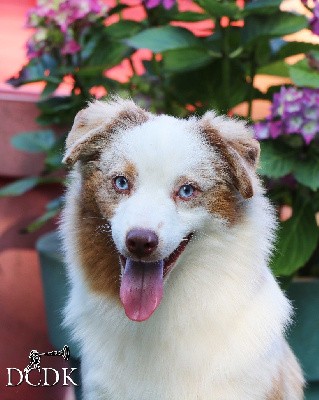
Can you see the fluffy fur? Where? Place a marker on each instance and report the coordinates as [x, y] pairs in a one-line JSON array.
[[218, 333]]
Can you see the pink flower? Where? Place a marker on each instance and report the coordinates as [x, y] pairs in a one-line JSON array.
[[167, 4], [70, 47], [63, 21]]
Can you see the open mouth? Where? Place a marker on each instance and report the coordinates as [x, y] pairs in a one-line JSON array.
[[171, 259], [141, 288]]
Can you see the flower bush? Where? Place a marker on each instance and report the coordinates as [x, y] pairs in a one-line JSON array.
[[201, 58], [293, 110], [290, 165], [61, 25]]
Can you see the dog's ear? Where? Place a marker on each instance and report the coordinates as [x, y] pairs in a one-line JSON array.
[[234, 143], [94, 125]]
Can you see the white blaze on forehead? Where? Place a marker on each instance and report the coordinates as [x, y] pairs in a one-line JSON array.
[[164, 149], [163, 152]]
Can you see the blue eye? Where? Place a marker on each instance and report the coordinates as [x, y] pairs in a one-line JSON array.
[[121, 183], [186, 191]]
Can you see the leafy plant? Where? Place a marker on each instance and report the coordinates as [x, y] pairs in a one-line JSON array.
[[290, 163], [51, 146]]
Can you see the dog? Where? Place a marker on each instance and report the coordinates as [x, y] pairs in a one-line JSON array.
[[167, 235]]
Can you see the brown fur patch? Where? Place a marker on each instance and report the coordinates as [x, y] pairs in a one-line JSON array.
[[234, 163], [249, 150], [98, 134], [223, 201], [98, 194], [130, 171], [98, 256]]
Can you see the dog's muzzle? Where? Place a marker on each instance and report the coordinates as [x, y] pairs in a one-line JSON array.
[[141, 288]]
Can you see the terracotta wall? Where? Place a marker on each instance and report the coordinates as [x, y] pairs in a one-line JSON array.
[[22, 317]]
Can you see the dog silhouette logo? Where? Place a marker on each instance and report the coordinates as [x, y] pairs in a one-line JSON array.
[[35, 357]]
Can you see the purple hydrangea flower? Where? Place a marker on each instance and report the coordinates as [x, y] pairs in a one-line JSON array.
[[314, 22], [261, 130], [309, 130], [294, 123], [293, 111], [275, 129]]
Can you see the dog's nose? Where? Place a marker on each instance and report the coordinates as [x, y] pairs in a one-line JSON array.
[[141, 242]]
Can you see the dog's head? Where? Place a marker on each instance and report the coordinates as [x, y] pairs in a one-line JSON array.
[[157, 181]]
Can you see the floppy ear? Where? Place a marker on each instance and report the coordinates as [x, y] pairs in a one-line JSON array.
[[237, 148], [94, 125]]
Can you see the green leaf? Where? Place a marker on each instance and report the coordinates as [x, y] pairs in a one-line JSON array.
[[19, 187], [277, 68], [282, 23], [106, 55], [190, 16], [186, 59], [34, 142], [57, 103], [49, 62], [123, 29], [306, 172], [55, 204], [34, 71], [287, 49], [302, 75], [53, 161], [39, 222], [218, 9], [88, 45], [262, 7], [297, 240], [49, 88], [277, 160], [209, 91], [60, 109], [163, 38]]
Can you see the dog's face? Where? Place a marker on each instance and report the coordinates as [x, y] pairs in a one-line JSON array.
[[158, 181]]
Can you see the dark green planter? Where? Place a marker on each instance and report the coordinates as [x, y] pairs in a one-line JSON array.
[[303, 336], [56, 288]]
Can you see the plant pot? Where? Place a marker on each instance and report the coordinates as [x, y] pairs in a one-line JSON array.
[[304, 334], [56, 289]]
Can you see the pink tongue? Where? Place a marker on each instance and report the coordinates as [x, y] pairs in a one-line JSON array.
[[141, 288]]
